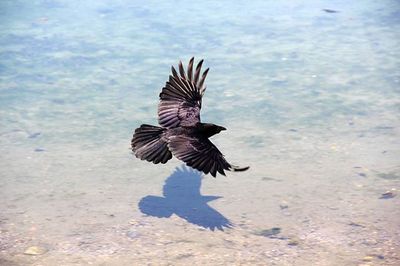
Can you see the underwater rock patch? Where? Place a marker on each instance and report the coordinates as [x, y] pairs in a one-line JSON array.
[[269, 232], [294, 241], [35, 250], [390, 175], [34, 135], [327, 10], [387, 195]]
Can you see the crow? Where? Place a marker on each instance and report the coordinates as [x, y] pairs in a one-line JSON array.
[[181, 133]]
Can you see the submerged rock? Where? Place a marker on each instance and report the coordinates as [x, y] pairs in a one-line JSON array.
[[35, 250], [269, 232], [356, 224], [283, 205], [388, 195], [34, 135], [327, 10], [294, 241], [389, 176]]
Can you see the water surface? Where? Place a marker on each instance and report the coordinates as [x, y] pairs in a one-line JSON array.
[[310, 99]]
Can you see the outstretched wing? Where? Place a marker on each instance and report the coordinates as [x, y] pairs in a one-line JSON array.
[[180, 99], [200, 154]]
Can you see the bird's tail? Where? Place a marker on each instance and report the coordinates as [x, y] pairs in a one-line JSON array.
[[147, 144], [235, 168]]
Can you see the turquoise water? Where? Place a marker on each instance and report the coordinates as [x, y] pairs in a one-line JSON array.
[[310, 99]]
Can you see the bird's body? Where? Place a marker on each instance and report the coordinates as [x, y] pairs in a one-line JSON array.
[[181, 133], [199, 130]]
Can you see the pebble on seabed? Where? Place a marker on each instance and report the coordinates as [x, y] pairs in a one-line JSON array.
[[35, 250], [269, 232], [293, 241], [368, 258], [283, 205], [388, 195]]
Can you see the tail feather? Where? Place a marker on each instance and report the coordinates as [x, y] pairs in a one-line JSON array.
[[235, 168], [148, 144]]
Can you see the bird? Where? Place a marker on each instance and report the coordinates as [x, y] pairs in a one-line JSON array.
[[181, 132]]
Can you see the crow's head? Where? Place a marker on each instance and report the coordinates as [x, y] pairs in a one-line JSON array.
[[219, 129], [209, 130]]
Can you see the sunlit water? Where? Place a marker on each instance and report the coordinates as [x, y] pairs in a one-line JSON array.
[[310, 99]]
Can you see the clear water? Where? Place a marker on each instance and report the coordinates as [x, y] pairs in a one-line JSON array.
[[310, 99]]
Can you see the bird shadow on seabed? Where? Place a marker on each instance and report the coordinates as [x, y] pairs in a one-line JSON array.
[[181, 196]]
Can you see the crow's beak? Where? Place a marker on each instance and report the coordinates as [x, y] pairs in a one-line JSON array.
[[222, 128]]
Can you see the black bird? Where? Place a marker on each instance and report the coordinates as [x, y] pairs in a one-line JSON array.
[[181, 133]]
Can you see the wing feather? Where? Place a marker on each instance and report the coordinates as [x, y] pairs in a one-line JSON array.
[[190, 69], [180, 99], [182, 70], [200, 154], [197, 74], [201, 82]]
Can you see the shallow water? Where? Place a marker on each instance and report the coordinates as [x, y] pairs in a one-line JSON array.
[[310, 99]]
